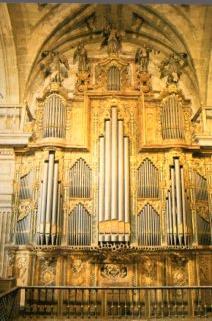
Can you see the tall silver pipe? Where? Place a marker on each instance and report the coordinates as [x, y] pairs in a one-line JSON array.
[[44, 196], [179, 200], [114, 166], [175, 227], [183, 204], [120, 171], [54, 204], [39, 210], [101, 178], [59, 213], [127, 179], [107, 170], [49, 197]]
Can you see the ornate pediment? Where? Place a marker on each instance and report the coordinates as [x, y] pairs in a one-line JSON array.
[[112, 74]]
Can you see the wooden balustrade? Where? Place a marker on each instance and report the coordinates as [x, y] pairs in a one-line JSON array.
[[10, 305], [117, 302]]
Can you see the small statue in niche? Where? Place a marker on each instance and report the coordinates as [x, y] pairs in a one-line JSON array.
[[172, 67], [142, 58], [91, 23], [80, 54], [54, 65], [83, 75], [112, 39]]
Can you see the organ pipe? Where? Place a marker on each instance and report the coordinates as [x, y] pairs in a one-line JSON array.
[[80, 180], [120, 171], [79, 226], [107, 170], [179, 199], [43, 202], [201, 188], [26, 186], [114, 166], [54, 204], [148, 180], [114, 182], [172, 118], [203, 229], [126, 179], [101, 178], [49, 196], [148, 226], [50, 205], [177, 209], [54, 117]]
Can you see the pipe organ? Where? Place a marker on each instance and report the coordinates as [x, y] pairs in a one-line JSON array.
[[54, 117], [148, 180], [50, 209], [114, 182], [80, 180], [79, 226], [26, 182], [148, 227], [178, 216], [172, 118], [118, 198]]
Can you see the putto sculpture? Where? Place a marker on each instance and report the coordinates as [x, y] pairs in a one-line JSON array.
[[55, 65], [172, 67]]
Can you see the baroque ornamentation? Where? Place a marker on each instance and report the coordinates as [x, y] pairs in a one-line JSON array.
[[47, 270], [112, 39], [172, 67], [21, 269], [55, 65], [114, 271]]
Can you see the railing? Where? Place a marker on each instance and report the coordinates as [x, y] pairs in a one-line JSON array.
[[117, 302], [9, 305]]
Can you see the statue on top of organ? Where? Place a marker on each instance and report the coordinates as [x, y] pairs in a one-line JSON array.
[[173, 66], [55, 65]]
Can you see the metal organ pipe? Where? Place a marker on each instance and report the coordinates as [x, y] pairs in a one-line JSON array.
[[54, 204], [107, 170], [120, 171], [43, 208], [179, 199], [114, 181], [177, 208], [183, 206], [54, 117], [126, 179], [114, 165], [173, 214], [49, 197], [101, 177], [49, 209]]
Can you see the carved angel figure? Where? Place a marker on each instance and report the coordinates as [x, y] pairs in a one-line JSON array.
[[54, 64], [172, 67], [112, 39], [81, 56], [142, 57]]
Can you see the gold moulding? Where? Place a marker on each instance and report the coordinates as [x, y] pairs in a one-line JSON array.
[[114, 226]]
